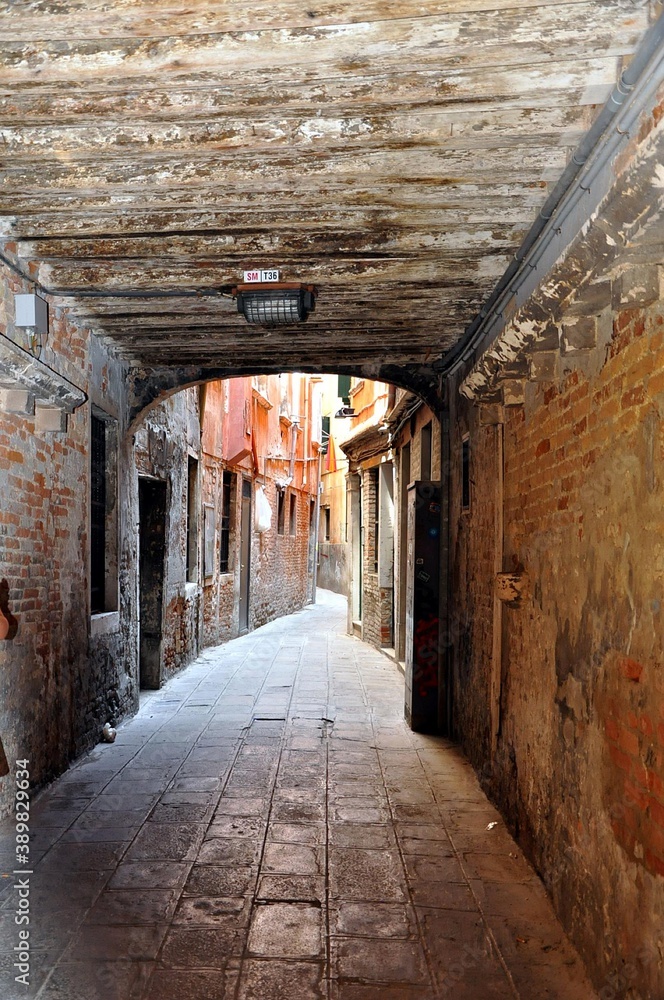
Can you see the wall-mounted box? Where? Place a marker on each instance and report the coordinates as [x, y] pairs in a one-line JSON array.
[[32, 311]]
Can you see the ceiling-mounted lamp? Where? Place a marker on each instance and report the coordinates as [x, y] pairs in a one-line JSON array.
[[274, 303]]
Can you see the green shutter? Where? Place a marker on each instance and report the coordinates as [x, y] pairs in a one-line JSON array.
[[344, 388]]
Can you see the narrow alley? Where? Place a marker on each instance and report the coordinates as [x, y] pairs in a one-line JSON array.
[[268, 827]]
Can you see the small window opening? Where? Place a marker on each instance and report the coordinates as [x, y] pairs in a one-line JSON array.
[[192, 520], [225, 540], [465, 474], [281, 512], [425, 448]]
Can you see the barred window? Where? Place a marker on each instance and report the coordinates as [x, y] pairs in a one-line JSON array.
[[103, 514]]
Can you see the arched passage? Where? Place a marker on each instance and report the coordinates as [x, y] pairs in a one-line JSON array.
[[280, 436], [148, 386]]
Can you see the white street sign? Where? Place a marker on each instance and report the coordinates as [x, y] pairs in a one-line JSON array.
[[260, 276]]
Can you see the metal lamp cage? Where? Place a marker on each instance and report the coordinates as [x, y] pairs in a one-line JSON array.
[[275, 305]]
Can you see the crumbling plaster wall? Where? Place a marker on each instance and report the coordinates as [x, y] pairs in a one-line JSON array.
[[333, 570], [579, 764]]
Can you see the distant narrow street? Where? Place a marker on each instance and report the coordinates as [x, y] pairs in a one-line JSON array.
[[267, 827]]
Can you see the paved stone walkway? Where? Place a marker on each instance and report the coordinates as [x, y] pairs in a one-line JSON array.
[[267, 828]]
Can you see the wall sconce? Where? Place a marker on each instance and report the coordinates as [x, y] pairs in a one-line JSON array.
[[31, 314], [278, 304]]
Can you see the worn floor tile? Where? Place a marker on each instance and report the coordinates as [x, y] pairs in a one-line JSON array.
[[201, 911], [292, 859], [359, 874], [379, 961], [200, 947], [108, 943], [271, 980], [122, 979], [133, 906], [192, 984], [216, 880], [286, 930], [292, 888], [372, 920], [227, 851], [166, 841], [148, 875]]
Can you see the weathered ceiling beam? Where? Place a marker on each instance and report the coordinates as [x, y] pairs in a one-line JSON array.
[[405, 129], [449, 194], [110, 276], [265, 222], [128, 17], [201, 247], [277, 173], [507, 39], [580, 81]]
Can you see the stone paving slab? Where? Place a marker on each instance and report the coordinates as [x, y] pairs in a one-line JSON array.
[[267, 828]]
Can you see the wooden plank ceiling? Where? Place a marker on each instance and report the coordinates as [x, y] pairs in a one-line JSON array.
[[395, 154]]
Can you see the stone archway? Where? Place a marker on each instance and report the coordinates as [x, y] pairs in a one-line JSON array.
[[150, 386]]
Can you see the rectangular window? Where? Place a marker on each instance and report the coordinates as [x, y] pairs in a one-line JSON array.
[[326, 435], [192, 520], [98, 515], [209, 540], [292, 515], [281, 511], [326, 526], [425, 452], [225, 532], [465, 474]]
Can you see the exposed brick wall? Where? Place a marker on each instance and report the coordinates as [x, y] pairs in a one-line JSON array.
[[580, 764], [376, 600], [279, 563], [58, 684]]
